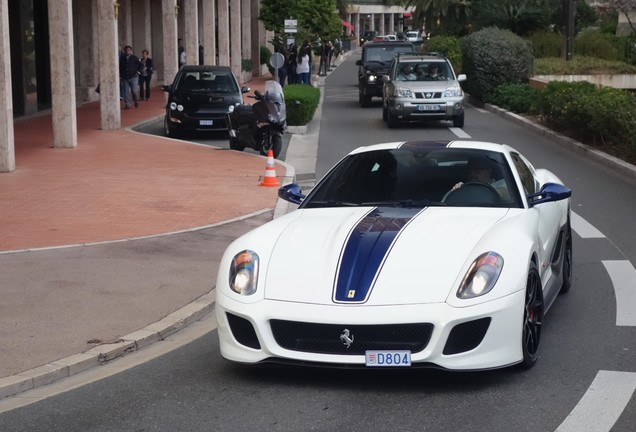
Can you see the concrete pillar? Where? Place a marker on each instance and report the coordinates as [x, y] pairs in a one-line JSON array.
[[208, 10], [255, 28], [142, 27], [191, 30], [124, 18], [382, 28], [108, 65], [372, 22], [356, 26], [246, 30], [235, 38], [7, 142], [223, 18], [64, 115], [86, 49], [170, 64], [392, 23]]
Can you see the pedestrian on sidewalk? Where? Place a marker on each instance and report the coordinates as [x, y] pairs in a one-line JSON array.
[[145, 75], [303, 66], [292, 77], [129, 70]]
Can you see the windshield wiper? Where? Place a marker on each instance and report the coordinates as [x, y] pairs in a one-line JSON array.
[[330, 203], [402, 203]]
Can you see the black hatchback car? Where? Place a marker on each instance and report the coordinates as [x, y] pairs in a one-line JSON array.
[[199, 98]]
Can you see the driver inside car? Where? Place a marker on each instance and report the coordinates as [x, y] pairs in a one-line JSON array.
[[480, 171]]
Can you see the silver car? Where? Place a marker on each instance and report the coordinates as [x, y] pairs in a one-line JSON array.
[[422, 87]]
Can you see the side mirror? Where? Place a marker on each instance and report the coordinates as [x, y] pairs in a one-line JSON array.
[[167, 88], [245, 89], [358, 62], [549, 192], [385, 78], [291, 193], [461, 77]]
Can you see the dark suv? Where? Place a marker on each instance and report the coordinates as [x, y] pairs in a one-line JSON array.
[[199, 98], [367, 36], [375, 62]]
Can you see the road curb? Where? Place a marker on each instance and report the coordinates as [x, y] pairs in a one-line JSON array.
[[618, 165], [99, 355]]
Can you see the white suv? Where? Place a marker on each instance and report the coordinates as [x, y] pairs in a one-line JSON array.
[[422, 87]]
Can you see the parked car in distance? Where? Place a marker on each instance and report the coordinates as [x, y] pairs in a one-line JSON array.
[[414, 36], [422, 87], [199, 98], [375, 61], [384, 38], [367, 36]]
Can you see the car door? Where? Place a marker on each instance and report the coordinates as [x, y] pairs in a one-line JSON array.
[[548, 214]]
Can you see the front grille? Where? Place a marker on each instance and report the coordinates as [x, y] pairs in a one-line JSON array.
[[466, 336], [243, 331], [325, 338], [431, 95]]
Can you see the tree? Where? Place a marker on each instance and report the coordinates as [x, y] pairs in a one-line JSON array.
[[625, 7], [441, 16], [522, 17], [315, 18]]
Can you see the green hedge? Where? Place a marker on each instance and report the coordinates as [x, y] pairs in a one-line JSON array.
[[450, 47], [604, 117], [518, 98], [301, 101]]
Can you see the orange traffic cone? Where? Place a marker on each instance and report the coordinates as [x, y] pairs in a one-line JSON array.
[[270, 171]]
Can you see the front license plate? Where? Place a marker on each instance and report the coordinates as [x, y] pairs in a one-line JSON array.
[[428, 107], [381, 358], [206, 122]]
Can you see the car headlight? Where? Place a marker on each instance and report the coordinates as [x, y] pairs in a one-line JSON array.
[[244, 272], [481, 276], [173, 106], [179, 107], [402, 92], [371, 78], [230, 109], [453, 92]]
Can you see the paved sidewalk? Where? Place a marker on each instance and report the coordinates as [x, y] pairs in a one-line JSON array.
[[123, 188]]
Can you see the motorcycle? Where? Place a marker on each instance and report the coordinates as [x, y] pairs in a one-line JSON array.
[[259, 126]]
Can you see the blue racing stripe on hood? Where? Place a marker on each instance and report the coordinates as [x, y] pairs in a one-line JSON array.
[[365, 250]]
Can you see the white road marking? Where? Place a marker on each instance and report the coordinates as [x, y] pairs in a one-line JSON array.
[[623, 275], [583, 228], [602, 404], [459, 132]]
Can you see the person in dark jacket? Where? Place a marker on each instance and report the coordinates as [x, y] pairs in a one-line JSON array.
[[129, 71], [145, 75]]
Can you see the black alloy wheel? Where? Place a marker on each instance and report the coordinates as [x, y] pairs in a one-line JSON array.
[[532, 318], [168, 129]]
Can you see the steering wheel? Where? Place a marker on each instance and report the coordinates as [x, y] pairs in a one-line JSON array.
[[473, 193]]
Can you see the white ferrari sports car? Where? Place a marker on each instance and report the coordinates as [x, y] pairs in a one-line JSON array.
[[404, 254]]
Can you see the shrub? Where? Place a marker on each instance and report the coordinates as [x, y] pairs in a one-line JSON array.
[[450, 47], [558, 100], [580, 65], [519, 98], [547, 44], [265, 55], [246, 65], [593, 43], [491, 57], [301, 101]]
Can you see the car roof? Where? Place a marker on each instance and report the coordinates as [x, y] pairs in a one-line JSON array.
[[421, 57], [204, 68], [387, 43], [459, 144]]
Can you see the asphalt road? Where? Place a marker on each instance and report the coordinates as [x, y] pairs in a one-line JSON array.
[[583, 381]]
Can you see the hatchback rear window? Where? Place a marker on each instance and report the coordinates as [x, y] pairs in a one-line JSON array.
[[207, 81]]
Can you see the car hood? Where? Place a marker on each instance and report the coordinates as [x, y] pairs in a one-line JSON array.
[[424, 86], [380, 256], [377, 68], [198, 101]]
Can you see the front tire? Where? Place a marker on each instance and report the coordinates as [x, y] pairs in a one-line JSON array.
[[365, 101], [391, 120], [532, 319], [385, 114], [458, 121], [168, 129], [276, 145], [235, 144]]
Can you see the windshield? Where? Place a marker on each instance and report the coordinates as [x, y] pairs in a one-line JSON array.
[[384, 54], [206, 82], [416, 176]]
